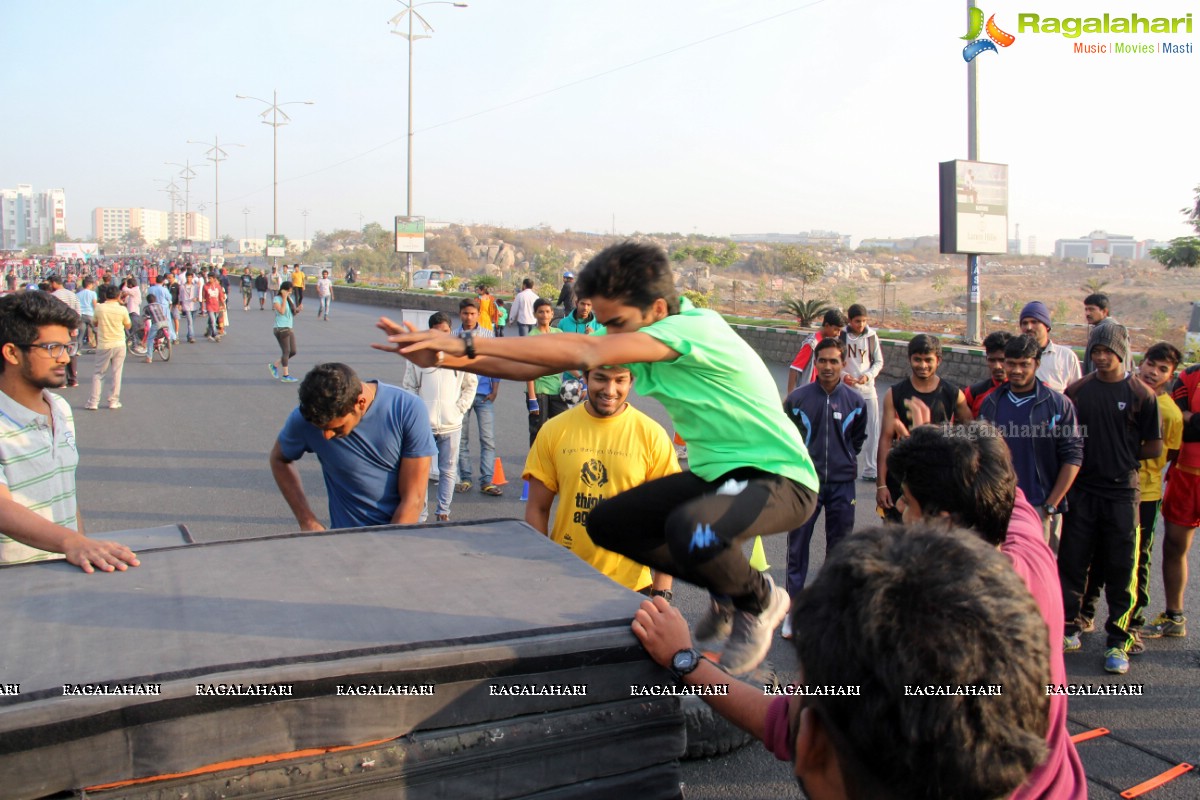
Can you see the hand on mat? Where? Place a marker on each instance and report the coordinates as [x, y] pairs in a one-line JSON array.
[[96, 554], [419, 347], [662, 630]]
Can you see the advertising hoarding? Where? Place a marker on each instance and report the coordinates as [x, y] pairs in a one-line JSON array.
[[973, 200], [410, 234]]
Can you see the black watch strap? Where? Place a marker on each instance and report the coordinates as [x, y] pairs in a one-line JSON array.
[[665, 594], [469, 343]]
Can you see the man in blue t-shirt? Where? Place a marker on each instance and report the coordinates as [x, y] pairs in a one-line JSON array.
[[374, 443]]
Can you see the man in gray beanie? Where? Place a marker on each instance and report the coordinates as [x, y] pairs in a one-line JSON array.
[[1059, 365], [1120, 415]]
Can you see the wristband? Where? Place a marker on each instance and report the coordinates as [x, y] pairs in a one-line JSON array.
[[665, 594], [533, 405]]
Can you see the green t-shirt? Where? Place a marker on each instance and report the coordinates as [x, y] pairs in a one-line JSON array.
[[547, 384], [722, 400]]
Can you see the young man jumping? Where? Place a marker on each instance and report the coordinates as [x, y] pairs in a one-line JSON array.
[[750, 473]]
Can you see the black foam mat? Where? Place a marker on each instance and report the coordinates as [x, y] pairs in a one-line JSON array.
[[500, 622]]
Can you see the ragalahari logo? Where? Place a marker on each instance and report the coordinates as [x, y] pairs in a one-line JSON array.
[[995, 36]]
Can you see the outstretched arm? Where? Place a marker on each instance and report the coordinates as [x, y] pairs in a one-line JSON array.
[[32, 529], [524, 357]]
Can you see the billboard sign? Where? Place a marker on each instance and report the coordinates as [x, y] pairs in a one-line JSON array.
[[84, 250], [276, 246], [410, 234], [973, 204]]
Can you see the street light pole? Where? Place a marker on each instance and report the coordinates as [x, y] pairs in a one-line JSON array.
[[187, 173], [274, 108], [216, 155], [410, 10]]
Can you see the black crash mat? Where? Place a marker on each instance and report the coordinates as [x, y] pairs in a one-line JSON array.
[[380, 637]]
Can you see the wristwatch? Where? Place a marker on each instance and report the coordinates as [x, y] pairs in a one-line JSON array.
[[665, 594], [685, 661], [1050, 510], [469, 343]]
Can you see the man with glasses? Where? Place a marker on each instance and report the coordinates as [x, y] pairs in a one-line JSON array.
[[38, 513]]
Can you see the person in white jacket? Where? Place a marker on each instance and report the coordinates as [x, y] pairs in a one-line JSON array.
[[864, 362], [448, 395]]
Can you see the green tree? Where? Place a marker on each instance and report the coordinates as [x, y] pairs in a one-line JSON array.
[[763, 262], [1181, 252], [1160, 324], [801, 264], [699, 299], [1094, 285], [448, 255], [133, 239], [805, 310], [1185, 250], [490, 281], [846, 295]]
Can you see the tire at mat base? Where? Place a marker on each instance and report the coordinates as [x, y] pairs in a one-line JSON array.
[[708, 733]]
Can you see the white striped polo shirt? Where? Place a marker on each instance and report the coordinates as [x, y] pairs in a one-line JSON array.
[[37, 464]]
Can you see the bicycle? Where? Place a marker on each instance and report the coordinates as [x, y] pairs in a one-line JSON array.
[[136, 343]]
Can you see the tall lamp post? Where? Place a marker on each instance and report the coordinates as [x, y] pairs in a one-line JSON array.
[[215, 154], [410, 10], [274, 109], [187, 173]]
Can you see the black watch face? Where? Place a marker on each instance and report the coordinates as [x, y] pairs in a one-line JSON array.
[[684, 660]]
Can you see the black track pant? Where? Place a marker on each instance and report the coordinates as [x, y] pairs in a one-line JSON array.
[[693, 529], [1101, 532]]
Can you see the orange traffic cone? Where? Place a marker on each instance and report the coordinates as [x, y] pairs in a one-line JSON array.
[[498, 478]]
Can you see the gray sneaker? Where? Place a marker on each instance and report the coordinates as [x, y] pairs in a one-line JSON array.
[[717, 622], [751, 636]]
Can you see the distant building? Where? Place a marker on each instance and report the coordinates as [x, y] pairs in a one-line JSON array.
[[29, 218], [111, 224], [829, 240], [907, 243], [1098, 248]]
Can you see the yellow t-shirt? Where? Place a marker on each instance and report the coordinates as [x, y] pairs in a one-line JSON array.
[[1150, 474], [298, 278], [110, 325], [585, 459]]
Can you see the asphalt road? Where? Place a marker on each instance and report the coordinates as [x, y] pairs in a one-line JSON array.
[[190, 446]]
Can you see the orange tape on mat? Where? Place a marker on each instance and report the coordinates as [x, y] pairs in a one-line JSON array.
[[1156, 781], [240, 762], [1092, 734]]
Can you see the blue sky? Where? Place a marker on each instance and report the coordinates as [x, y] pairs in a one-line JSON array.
[[650, 115]]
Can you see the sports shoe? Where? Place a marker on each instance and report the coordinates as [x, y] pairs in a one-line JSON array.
[[289, 379], [92, 408], [1116, 661], [1071, 643], [785, 630], [115, 406], [1138, 646], [274, 370], [1087, 624], [1164, 625], [750, 638], [716, 623]]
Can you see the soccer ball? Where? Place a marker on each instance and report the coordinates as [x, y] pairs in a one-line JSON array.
[[572, 392]]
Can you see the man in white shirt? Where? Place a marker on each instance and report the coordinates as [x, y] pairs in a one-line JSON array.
[[1059, 366], [324, 294], [522, 308]]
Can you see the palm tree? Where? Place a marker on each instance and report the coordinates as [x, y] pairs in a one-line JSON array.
[[805, 310], [1094, 285]]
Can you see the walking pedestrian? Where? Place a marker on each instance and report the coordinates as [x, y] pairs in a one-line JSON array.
[[284, 333]]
